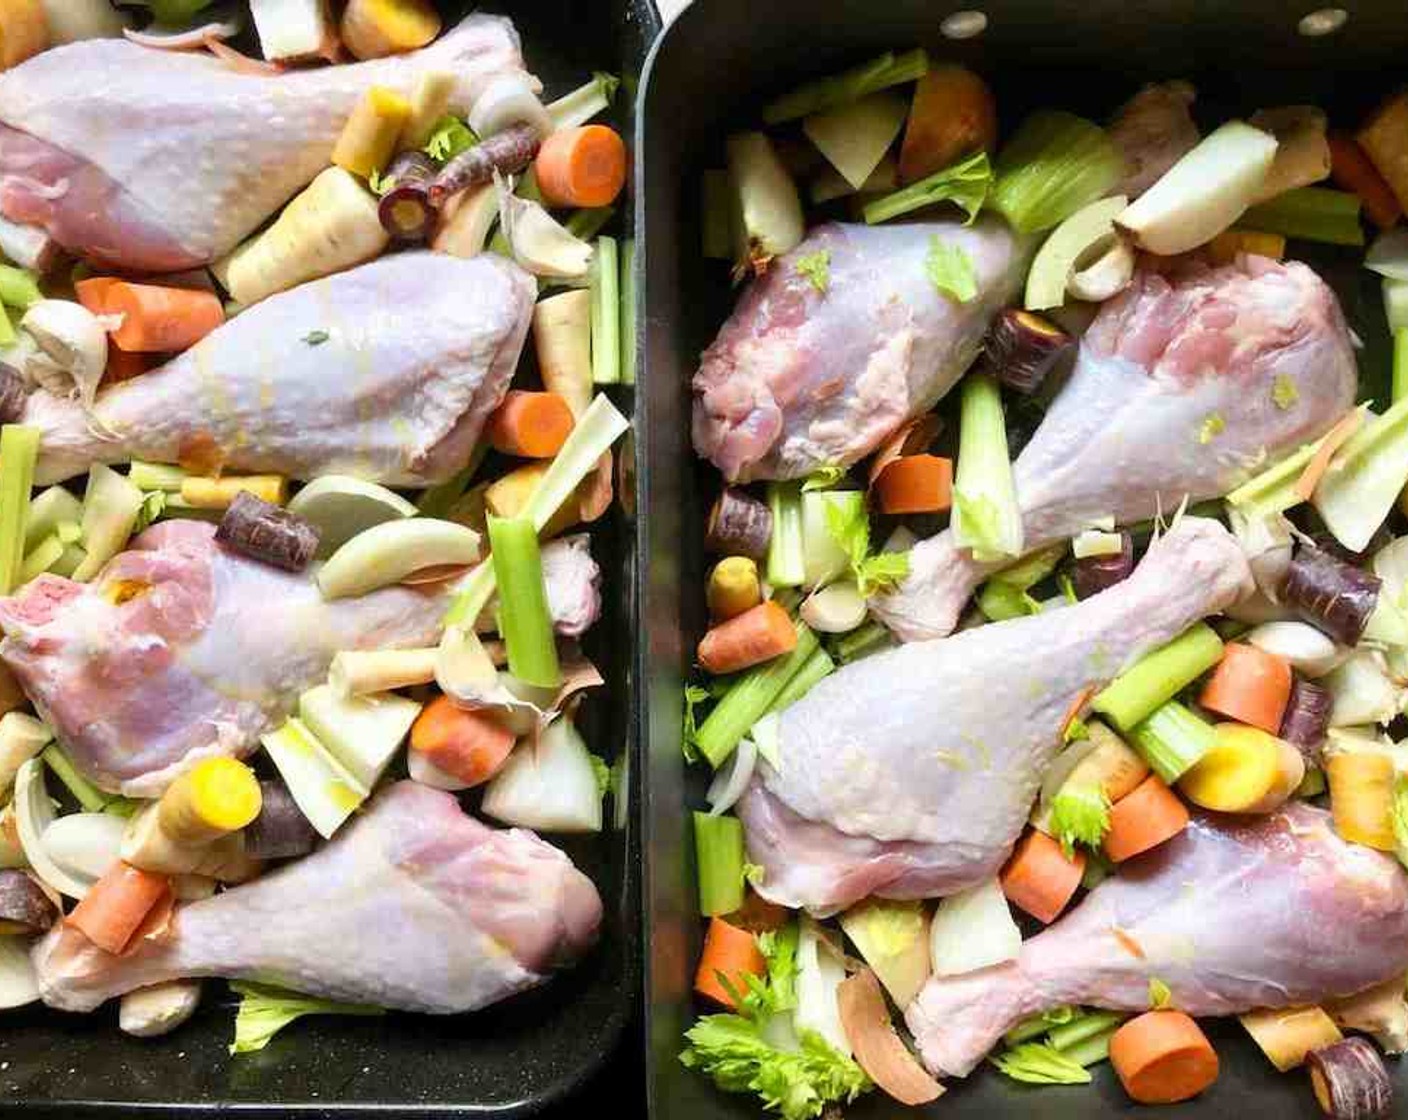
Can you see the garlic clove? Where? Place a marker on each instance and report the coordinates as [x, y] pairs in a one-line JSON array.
[[72, 348]]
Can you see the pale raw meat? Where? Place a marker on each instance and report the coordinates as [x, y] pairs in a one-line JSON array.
[[419, 349], [799, 379], [910, 773], [160, 160], [1235, 914], [413, 905], [207, 649], [1184, 388]]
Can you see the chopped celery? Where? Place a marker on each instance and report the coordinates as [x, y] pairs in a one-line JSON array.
[[325, 791], [851, 85], [41, 558], [628, 311], [986, 517], [1083, 1027], [1034, 1026], [1395, 304], [1365, 477], [824, 554], [524, 619], [265, 1010], [606, 313], [156, 476], [1094, 1049], [1159, 676], [7, 328], [1309, 214], [1400, 363], [1054, 165], [110, 508], [1040, 1064], [1274, 489], [84, 792], [717, 222], [1027, 572], [19, 448], [811, 671], [596, 430], [438, 500], [750, 698], [1080, 814], [1172, 739], [361, 732], [858, 643], [787, 552], [449, 136], [718, 849], [584, 102], [965, 184], [49, 509], [586, 224], [18, 287], [1313, 784], [1001, 601]]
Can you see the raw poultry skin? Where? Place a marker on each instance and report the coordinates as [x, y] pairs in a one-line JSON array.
[[157, 160], [182, 649], [1185, 387], [799, 379], [1234, 914], [419, 349], [413, 905], [910, 773]]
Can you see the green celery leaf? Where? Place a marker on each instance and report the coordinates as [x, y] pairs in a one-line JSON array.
[[602, 773], [265, 1010], [824, 478], [1400, 821], [950, 270], [777, 990], [1160, 996], [448, 138], [850, 528], [816, 268], [153, 504], [1080, 815], [694, 695], [1040, 1064], [881, 572]]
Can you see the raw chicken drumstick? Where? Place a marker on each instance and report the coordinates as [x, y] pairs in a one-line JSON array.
[[910, 773]]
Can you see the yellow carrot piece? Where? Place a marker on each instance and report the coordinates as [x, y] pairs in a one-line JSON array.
[[218, 493], [733, 587], [368, 139], [508, 497], [1361, 797], [216, 797], [1246, 771], [24, 31], [1225, 246], [376, 28], [1288, 1034]]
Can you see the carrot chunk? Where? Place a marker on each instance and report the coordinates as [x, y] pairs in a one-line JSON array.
[[730, 954], [530, 425], [1162, 1057], [1249, 685], [469, 745], [915, 484], [1040, 878], [757, 635], [583, 166], [117, 904], [155, 318], [1144, 819]]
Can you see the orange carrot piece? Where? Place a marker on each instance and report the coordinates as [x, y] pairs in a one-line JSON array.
[[952, 115], [530, 425], [583, 166], [730, 954], [1077, 709], [1319, 463], [92, 293], [758, 634], [915, 484], [1353, 171], [160, 319], [1162, 1057], [469, 745], [123, 365], [1249, 685], [117, 904], [1144, 819], [758, 915], [1039, 878]]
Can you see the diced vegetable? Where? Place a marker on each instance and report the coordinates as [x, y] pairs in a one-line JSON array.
[[471, 745], [915, 484], [730, 956], [1310, 214], [1361, 796], [18, 288], [1307, 717], [1249, 685], [1331, 594], [877, 1047], [739, 524], [1079, 239], [363, 672], [199, 492], [953, 113], [530, 425], [1040, 1064], [84, 792], [1302, 646], [1162, 1057], [837, 608], [1144, 819], [110, 508], [24, 907], [583, 166], [368, 139], [1287, 1035], [730, 783], [1351, 170], [14, 395], [505, 153], [1159, 676], [280, 831], [786, 555], [1362, 482], [1246, 771], [585, 102], [855, 136], [376, 28], [146, 845], [759, 634], [769, 211], [339, 507], [1361, 691], [966, 184], [1022, 348], [893, 937], [118, 903], [1055, 164], [973, 929], [718, 847], [986, 517], [1350, 1081], [159, 1008], [1302, 151], [733, 587], [562, 334], [216, 797], [34, 813], [880, 73], [605, 313], [1204, 193], [294, 29], [325, 791], [1040, 878], [387, 553], [405, 210], [812, 670], [1396, 304], [1381, 1011], [1093, 574], [824, 557], [750, 698], [362, 732], [1171, 739], [1383, 139], [158, 319], [551, 787], [22, 737], [19, 449], [265, 1010], [524, 618]]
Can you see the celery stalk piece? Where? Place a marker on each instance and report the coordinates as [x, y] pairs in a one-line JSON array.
[[1159, 676], [787, 556], [326, 792], [586, 224], [1396, 304], [1400, 363], [18, 287], [584, 102], [816, 667], [1364, 478], [1172, 739], [7, 328], [824, 558], [69, 562], [717, 222], [436, 501], [1034, 1026], [596, 430], [51, 508], [986, 517], [1082, 1027], [1274, 489], [850, 85], [524, 619], [361, 732], [1054, 165], [156, 476], [1001, 601], [750, 698], [718, 850], [1095, 1048], [265, 1010], [628, 311], [110, 507], [19, 448], [965, 184], [858, 643], [606, 313], [1309, 214], [84, 792], [41, 558]]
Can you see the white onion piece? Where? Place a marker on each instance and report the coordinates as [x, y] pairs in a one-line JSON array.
[[551, 787], [34, 813], [766, 734], [728, 785], [425, 772], [1363, 691], [973, 929], [1388, 255], [85, 844], [506, 101], [1307, 648], [185, 38], [820, 971], [18, 983]]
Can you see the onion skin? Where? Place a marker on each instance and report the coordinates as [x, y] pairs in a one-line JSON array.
[[1307, 718], [878, 1049], [24, 907], [1328, 593], [739, 525], [263, 531], [507, 152], [1022, 348], [281, 831], [1094, 574], [1351, 1081], [12, 395]]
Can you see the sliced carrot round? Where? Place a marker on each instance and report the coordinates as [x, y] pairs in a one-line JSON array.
[[1144, 819], [583, 166], [1250, 685], [1162, 1057], [1040, 878], [730, 956]]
